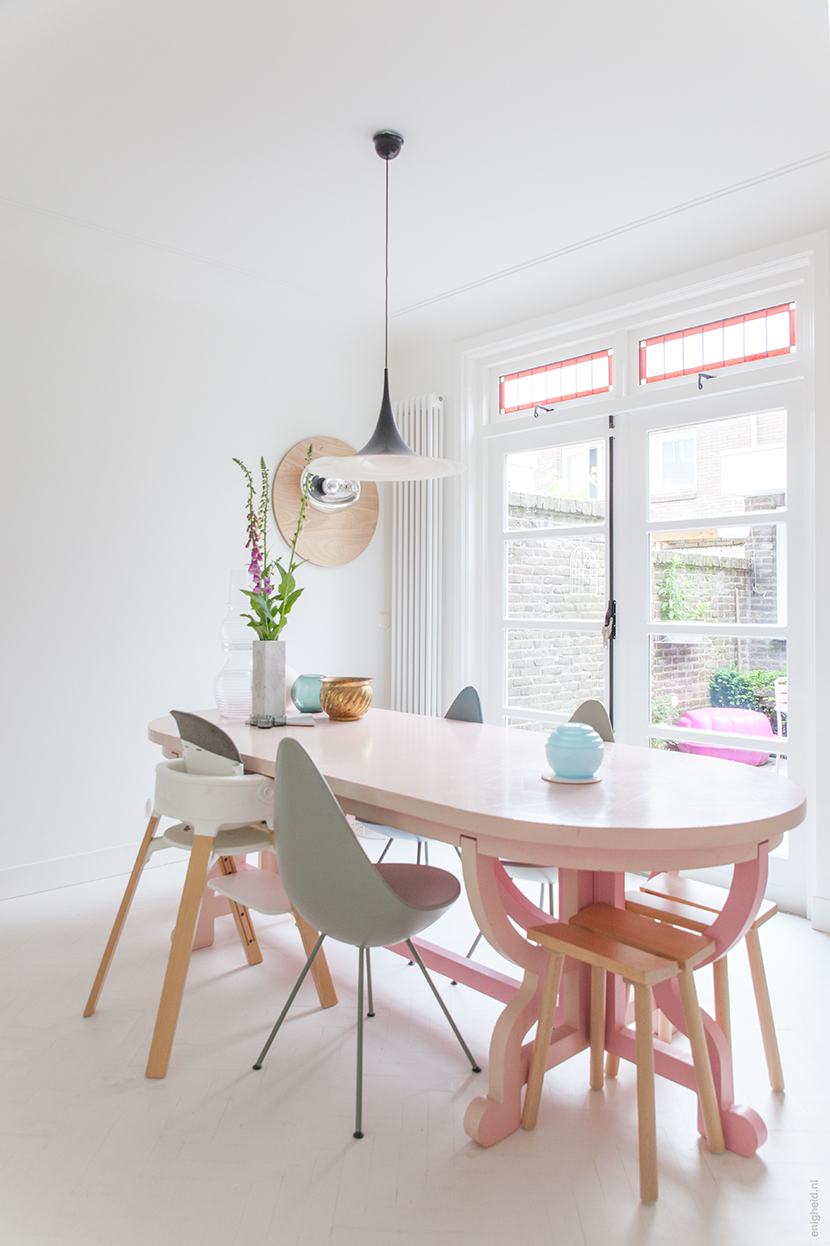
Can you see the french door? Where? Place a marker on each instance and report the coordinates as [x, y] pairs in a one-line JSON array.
[[548, 574], [713, 550], [704, 543]]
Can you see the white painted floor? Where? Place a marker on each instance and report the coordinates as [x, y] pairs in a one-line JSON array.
[[91, 1152]]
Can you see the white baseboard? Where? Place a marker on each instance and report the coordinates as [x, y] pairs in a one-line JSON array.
[[85, 867], [820, 917]]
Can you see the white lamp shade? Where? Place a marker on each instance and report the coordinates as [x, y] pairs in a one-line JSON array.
[[385, 467]]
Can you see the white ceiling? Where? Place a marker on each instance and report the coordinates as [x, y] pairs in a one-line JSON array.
[[239, 131]]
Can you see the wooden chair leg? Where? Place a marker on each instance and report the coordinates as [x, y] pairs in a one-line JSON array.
[[646, 1119], [762, 1001], [244, 925], [179, 960], [121, 917], [320, 967], [539, 1058], [720, 973], [665, 1029], [700, 1055], [612, 1063], [597, 1026], [723, 1015]]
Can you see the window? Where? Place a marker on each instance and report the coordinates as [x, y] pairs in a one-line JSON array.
[[580, 472], [672, 462], [720, 344], [556, 382]]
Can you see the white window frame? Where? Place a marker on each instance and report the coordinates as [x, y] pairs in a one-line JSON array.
[[795, 272]]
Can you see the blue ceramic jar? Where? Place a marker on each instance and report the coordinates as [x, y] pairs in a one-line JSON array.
[[574, 751], [305, 693]]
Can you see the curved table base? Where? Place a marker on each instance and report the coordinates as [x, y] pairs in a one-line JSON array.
[[495, 899]]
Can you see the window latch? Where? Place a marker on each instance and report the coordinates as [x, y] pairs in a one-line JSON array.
[[609, 627]]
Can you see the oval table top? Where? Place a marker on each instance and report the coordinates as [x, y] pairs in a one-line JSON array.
[[652, 810]]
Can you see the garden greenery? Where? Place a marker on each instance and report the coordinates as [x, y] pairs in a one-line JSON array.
[[674, 595], [751, 690]]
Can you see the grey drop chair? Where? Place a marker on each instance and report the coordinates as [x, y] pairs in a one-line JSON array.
[[336, 888], [465, 708]]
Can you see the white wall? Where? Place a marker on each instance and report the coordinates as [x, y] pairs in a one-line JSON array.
[[123, 514]]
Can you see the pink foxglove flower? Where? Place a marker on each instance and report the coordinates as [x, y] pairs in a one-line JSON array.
[[270, 605]]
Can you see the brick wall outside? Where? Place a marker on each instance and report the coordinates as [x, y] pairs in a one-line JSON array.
[[564, 578]]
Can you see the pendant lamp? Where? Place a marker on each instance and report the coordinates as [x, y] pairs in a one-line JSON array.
[[386, 456]]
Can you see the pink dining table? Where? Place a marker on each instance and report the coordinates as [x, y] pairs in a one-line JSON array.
[[480, 788]]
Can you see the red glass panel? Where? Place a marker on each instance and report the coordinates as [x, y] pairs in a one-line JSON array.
[[556, 382], [719, 344]]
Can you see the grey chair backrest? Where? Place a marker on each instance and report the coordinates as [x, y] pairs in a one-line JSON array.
[[326, 873], [595, 715], [207, 749], [466, 707]]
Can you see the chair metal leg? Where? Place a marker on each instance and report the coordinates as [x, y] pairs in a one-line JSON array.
[[358, 1110], [386, 849], [371, 1011], [426, 853], [414, 953], [289, 1002], [320, 969], [473, 947]]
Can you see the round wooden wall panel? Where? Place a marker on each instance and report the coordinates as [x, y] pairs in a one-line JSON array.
[[327, 540]]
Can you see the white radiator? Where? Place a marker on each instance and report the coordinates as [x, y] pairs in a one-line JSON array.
[[416, 566]]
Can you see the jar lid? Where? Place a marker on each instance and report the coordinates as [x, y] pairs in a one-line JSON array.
[[575, 735]]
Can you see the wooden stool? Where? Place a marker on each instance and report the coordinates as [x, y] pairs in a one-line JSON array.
[[584, 940], [694, 906]]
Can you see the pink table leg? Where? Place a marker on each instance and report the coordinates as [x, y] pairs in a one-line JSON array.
[[493, 896]]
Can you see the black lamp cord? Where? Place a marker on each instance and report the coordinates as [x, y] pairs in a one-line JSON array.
[[386, 292]]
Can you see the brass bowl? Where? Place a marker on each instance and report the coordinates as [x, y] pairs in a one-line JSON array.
[[345, 698]]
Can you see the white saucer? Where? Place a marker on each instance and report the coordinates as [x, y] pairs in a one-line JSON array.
[[554, 778]]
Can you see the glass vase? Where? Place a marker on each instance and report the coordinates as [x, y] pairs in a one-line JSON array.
[[232, 686]]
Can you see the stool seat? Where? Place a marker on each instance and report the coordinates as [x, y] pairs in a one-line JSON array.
[[685, 947]]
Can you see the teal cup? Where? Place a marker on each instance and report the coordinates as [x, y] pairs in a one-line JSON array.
[[305, 693]]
